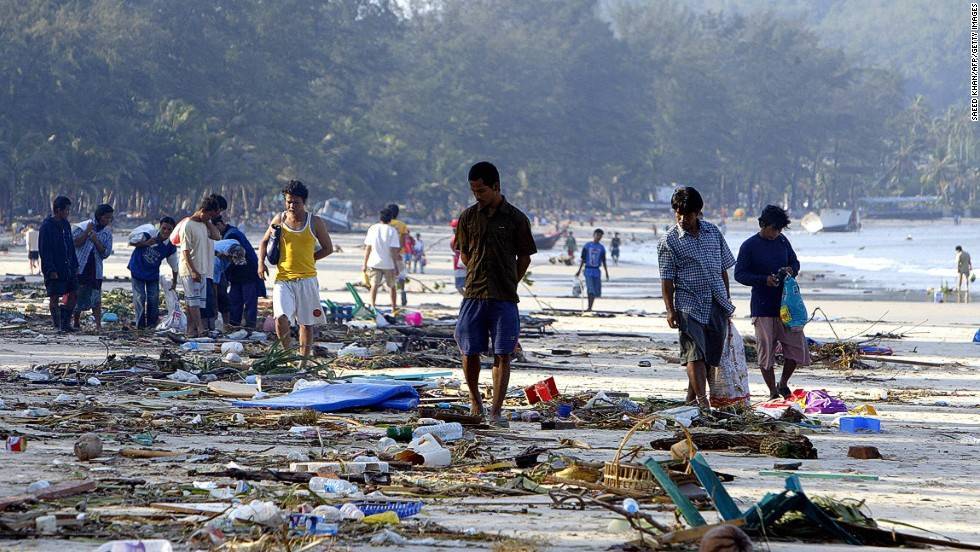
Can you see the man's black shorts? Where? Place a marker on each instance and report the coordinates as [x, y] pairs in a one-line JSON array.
[[60, 286]]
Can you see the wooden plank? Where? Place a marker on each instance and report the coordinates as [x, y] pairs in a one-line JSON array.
[[233, 389], [58, 490], [192, 507], [694, 533], [148, 453], [820, 475]]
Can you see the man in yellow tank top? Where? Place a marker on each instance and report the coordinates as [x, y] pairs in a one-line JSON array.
[[296, 294]]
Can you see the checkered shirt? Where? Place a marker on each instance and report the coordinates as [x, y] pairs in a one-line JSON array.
[[695, 265]]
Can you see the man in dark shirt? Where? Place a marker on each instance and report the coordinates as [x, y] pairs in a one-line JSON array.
[[58, 263], [495, 243], [763, 261]]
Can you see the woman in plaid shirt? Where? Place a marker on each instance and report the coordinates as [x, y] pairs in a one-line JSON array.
[[694, 258]]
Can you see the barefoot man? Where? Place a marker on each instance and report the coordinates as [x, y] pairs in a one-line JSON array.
[[694, 259], [495, 244]]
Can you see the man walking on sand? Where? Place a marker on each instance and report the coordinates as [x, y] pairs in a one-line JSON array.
[[615, 245], [963, 268], [196, 268], [495, 244], [693, 260], [381, 252], [59, 265], [296, 294], [763, 261], [570, 246], [593, 256]]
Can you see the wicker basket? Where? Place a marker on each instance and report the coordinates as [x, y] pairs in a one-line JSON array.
[[630, 475]]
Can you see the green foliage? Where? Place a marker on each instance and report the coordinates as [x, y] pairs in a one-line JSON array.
[[151, 103]]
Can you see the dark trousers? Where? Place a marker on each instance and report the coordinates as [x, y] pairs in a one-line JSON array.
[[244, 300], [146, 300]]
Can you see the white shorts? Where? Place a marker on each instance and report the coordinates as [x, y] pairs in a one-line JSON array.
[[195, 293], [298, 301]]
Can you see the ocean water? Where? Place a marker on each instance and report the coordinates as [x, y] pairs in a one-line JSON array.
[[884, 254]]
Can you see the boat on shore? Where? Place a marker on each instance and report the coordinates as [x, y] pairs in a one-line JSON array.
[[547, 241], [831, 220], [338, 215]]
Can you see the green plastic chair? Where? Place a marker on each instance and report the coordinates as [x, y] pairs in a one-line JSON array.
[[361, 309]]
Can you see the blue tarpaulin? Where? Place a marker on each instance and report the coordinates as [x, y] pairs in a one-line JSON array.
[[336, 397]]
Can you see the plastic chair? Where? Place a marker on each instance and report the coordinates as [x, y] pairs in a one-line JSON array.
[[361, 309]]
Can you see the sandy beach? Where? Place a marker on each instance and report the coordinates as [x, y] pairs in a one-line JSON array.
[[930, 419]]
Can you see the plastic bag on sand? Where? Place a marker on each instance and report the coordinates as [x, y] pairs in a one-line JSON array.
[[729, 381], [175, 319], [232, 347], [257, 511], [152, 545]]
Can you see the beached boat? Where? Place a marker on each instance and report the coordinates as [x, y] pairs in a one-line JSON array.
[[546, 241], [337, 213], [831, 220]]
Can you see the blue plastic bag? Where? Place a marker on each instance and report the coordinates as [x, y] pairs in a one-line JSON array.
[[976, 337], [792, 311]]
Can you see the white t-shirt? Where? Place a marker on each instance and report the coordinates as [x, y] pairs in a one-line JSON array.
[[382, 237], [32, 239], [195, 239]]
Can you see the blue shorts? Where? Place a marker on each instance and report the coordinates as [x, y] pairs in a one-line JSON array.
[[480, 319], [593, 285]]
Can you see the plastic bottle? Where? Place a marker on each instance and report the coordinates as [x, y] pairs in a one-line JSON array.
[[631, 506], [330, 514], [402, 434], [446, 432], [337, 487], [351, 511], [196, 346]]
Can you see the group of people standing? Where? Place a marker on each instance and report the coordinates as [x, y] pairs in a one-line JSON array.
[[493, 245]]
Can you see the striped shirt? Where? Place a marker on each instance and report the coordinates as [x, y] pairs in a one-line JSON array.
[[695, 264]]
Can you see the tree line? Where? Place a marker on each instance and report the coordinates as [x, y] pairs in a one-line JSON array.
[[583, 104]]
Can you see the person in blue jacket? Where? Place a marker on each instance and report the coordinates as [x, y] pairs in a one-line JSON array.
[[59, 265], [144, 271], [763, 262], [245, 285]]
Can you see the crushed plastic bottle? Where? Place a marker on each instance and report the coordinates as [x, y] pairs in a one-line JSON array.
[[327, 487], [352, 512], [197, 346], [331, 514], [446, 432]]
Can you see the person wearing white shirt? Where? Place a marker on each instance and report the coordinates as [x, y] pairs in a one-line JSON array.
[[381, 255]]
